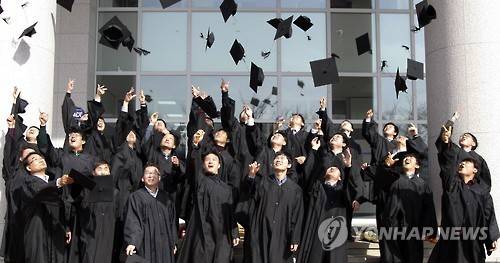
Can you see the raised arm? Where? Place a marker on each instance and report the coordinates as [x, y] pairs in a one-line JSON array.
[[369, 130], [68, 107], [52, 155]]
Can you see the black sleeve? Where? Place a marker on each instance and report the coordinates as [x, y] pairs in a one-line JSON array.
[[67, 109], [53, 155], [369, 130]]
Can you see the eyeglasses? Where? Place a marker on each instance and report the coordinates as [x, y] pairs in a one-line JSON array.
[[35, 160]]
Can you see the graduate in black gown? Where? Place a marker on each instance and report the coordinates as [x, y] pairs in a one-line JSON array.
[[327, 199], [466, 148], [46, 232], [212, 231], [466, 203], [409, 210], [276, 220], [150, 223], [96, 215]]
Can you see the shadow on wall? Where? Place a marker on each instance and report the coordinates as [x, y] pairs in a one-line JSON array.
[[22, 53]]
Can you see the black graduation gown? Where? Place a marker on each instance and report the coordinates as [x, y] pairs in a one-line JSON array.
[[410, 205], [212, 225], [150, 225], [322, 202], [96, 217], [98, 143], [266, 157], [276, 220], [45, 226], [463, 205]]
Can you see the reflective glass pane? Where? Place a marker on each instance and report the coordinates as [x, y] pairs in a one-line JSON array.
[[352, 97], [241, 4], [352, 3], [346, 28], [394, 32], [392, 108], [303, 100], [117, 87], [167, 43], [421, 91], [251, 31], [423, 131], [118, 3], [303, 3], [169, 95], [109, 59], [298, 51], [242, 94], [156, 4], [394, 4]]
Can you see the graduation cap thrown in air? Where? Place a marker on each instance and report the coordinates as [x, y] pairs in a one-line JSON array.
[[30, 31], [141, 52], [415, 70], [210, 39], [274, 91], [324, 71], [113, 33], [303, 22], [256, 77], [284, 28], [425, 13], [254, 101], [363, 44], [228, 8], [275, 22], [81, 179], [66, 4], [399, 84], [237, 51], [167, 3]]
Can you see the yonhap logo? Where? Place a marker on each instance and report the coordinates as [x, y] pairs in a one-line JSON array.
[[332, 232]]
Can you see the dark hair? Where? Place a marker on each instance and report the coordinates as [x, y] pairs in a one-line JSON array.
[[211, 151], [300, 115], [473, 161], [26, 162], [28, 146], [79, 131], [101, 162], [415, 155], [474, 139], [396, 128], [283, 133], [164, 122], [345, 140], [34, 127], [151, 164], [286, 154]]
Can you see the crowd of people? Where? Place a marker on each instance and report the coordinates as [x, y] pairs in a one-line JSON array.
[[119, 196]]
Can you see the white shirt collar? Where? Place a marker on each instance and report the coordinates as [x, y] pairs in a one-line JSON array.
[[153, 194], [44, 177]]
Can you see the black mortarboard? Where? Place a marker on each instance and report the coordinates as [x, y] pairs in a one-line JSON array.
[[256, 77], [237, 51], [129, 43], [113, 33], [20, 105], [300, 83], [275, 22], [167, 3], [29, 31], [103, 190], [274, 91], [210, 39], [284, 28], [132, 259], [425, 13], [67, 4], [363, 44], [1, 10], [415, 70], [141, 52], [81, 179], [303, 22], [399, 84], [324, 71], [254, 101], [267, 101], [228, 8]]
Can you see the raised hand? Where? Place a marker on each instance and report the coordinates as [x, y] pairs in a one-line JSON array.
[[455, 116], [101, 90], [142, 98], [198, 137], [15, 93], [175, 161], [369, 114], [317, 124], [412, 130], [300, 159], [253, 168], [347, 157], [224, 86], [70, 86], [43, 117], [154, 118], [130, 250], [322, 103], [130, 95], [446, 134], [11, 121], [389, 160], [315, 143], [195, 91]]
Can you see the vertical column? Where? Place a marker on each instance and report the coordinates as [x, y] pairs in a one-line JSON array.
[[462, 61]]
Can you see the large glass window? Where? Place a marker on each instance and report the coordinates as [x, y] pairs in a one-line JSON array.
[[391, 43], [393, 108], [169, 96], [352, 3], [167, 44], [303, 100], [352, 97], [117, 88], [251, 31], [345, 29]]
